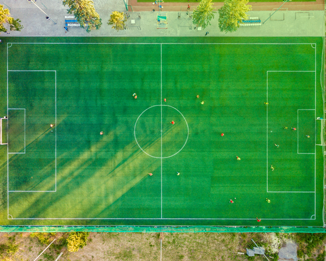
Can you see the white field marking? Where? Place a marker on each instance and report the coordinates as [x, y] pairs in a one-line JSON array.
[[10, 44], [27, 191], [31, 71], [271, 71], [7, 137], [298, 126], [55, 130], [291, 192], [55, 133], [19, 109], [316, 131], [159, 218], [164, 43], [166, 156], [267, 168], [161, 136], [10, 216]]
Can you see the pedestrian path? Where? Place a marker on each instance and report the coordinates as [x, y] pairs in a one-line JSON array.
[[282, 23]]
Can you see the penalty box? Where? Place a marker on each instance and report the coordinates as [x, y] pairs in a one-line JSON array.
[[31, 160]]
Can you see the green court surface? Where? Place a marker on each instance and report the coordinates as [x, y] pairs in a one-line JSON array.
[[251, 89]]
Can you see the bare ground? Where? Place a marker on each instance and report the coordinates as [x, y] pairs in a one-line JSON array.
[[146, 246]]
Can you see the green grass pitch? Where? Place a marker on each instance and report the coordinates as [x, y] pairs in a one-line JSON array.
[[251, 89]]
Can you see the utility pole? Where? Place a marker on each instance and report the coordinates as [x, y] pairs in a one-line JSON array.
[[47, 16]]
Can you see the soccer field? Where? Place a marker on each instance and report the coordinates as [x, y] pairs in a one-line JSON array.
[[92, 166]]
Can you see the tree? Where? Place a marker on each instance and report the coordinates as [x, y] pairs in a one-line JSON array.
[[85, 13], [203, 14], [232, 13], [118, 20], [15, 25], [77, 240], [5, 18]]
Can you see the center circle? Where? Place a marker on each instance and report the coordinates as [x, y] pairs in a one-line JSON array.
[[161, 131]]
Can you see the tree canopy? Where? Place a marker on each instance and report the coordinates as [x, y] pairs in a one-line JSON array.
[[77, 240], [203, 14], [85, 13], [5, 18], [118, 20], [232, 13]]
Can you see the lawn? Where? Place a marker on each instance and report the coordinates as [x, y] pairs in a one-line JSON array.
[[81, 147]]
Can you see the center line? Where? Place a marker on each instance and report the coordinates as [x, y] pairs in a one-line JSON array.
[[161, 142]]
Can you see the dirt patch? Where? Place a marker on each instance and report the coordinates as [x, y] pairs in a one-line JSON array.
[[147, 246], [275, 242], [289, 252]]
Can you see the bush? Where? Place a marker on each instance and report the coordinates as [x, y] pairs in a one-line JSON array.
[[77, 240], [309, 242], [321, 257], [43, 238], [8, 249]]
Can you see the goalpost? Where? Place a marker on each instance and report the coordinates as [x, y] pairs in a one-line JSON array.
[[1, 141]]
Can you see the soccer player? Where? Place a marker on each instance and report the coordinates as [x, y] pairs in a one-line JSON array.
[[172, 122], [151, 174], [135, 96], [231, 201], [258, 220], [178, 173], [202, 102], [101, 133], [308, 136], [268, 200], [294, 129], [272, 168], [276, 145], [238, 158], [222, 134]]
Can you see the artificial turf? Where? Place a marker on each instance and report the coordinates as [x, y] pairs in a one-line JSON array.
[[85, 86]]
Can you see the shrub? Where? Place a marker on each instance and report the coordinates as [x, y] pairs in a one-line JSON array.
[[77, 240]]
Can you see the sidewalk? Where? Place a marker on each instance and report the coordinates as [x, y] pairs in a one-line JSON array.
[[282, 23]]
